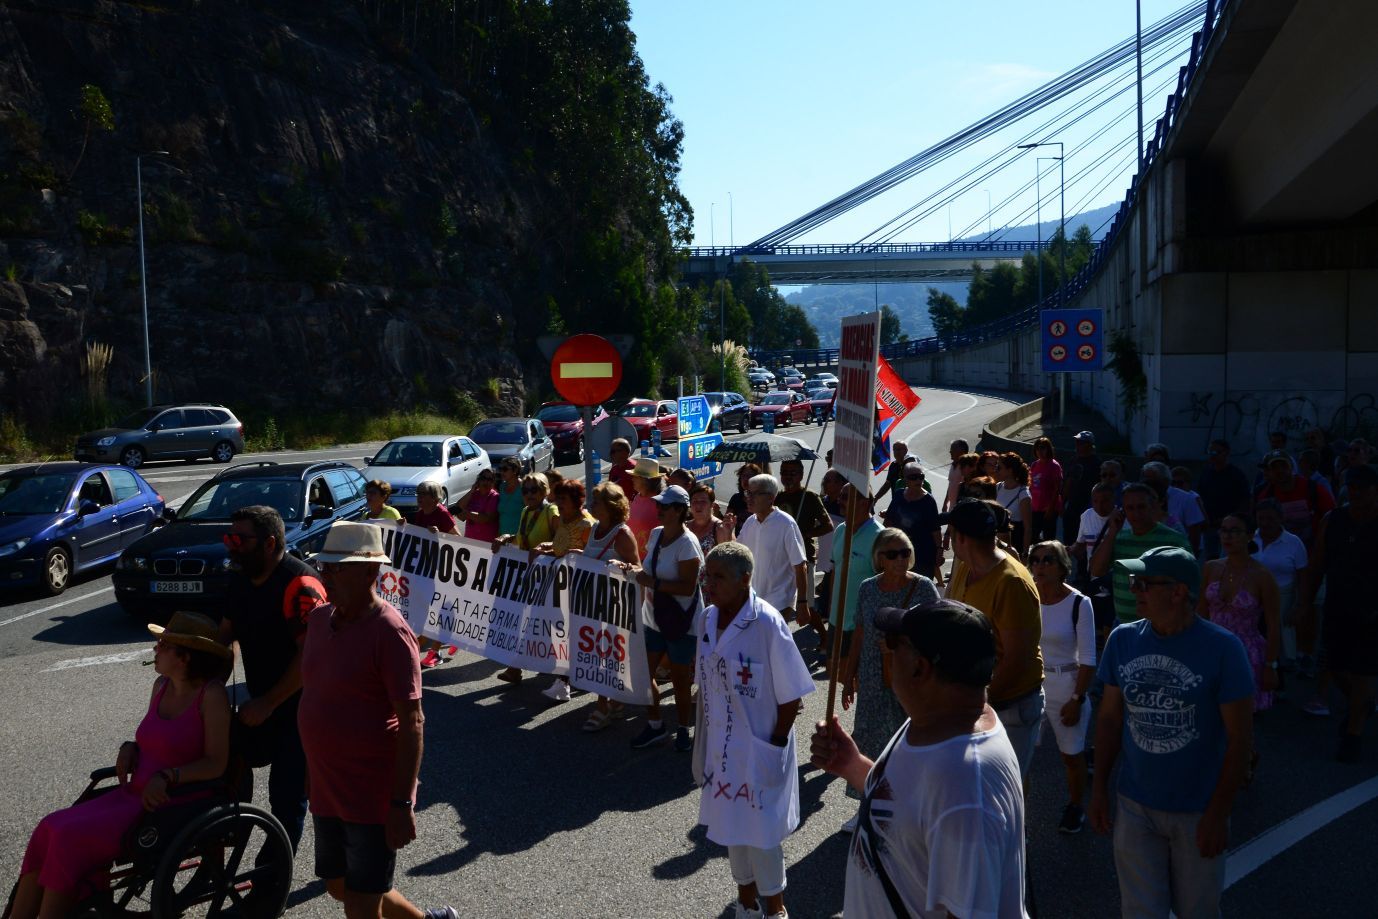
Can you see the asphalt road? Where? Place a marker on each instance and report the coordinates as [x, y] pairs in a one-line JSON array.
[[521, 814]]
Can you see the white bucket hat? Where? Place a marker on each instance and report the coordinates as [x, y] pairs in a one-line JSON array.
[[353, 542]]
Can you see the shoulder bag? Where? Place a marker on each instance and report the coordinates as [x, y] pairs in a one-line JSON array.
[[672, 620]]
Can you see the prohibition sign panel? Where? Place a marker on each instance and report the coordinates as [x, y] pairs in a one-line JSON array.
[[586, 369], [1072, 340]]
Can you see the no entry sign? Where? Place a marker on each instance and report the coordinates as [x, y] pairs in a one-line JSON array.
[[586, 369]]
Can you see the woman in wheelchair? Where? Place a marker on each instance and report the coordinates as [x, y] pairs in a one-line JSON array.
[[184, 737]]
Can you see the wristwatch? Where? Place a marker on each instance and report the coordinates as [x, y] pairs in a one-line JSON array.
[[402, 803]]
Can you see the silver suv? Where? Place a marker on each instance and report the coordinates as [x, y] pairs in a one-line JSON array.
[[186, 432]]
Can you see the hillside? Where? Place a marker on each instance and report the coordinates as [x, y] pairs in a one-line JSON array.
[[336, 226]]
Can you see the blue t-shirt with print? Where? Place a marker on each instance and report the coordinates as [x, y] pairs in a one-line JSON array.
[[1173, 686]]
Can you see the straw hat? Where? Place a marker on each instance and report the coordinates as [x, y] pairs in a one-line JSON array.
[[353, 542], [194, 631], [647, 468]]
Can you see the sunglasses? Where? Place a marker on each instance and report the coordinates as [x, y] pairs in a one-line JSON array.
[[1141, 585], [913, 478], [1231, 531], [893, 554], [532, 489], [1042, 560], [235, 541]]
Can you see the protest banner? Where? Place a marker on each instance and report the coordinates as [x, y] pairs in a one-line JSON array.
[[894, 400], [573, 616], [854, 428]]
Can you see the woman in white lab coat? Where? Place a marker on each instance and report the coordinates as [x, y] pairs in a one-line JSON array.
[[751, 680]]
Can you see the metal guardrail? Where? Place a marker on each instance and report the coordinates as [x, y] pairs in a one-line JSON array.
[[1004, 245], [1077, 283]]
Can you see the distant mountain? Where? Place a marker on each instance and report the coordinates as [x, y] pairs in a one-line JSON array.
[[827, 304]]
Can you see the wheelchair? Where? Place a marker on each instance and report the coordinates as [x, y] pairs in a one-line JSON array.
[[207, 852]]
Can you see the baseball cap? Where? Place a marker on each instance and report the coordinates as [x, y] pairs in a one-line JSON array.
[[672, 495], [1166, 562], [1361, 477], [955, 637], [1276, 456], [971, 517], [1085, 435]]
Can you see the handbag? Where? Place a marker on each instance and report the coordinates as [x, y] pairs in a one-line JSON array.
[[886, 654], [672, 620]]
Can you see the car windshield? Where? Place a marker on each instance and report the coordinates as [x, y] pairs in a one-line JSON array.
[[138, 419], [775, 398], [639, 410], [823, 394], [499, 432], [409, 453], [218, 498], [24, 493], [714, 398], [559, 413]]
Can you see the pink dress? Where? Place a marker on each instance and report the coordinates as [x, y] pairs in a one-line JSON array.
[[79, 842], [1243, 616]]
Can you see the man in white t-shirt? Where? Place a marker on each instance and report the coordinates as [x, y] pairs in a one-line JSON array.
[[941, 828], [780, 576], [1091, 525]]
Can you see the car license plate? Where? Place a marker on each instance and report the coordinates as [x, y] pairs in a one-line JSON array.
[[176, 587]]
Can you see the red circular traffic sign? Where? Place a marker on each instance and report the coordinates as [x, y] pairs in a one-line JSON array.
[[1057, 328], [1087, 352], [1058, 353], [1086, 328], [586, 369]]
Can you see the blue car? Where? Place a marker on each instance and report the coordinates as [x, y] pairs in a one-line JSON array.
[[58, 519]]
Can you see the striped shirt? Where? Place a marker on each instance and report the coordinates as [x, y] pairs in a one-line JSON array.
[[1128, 546]]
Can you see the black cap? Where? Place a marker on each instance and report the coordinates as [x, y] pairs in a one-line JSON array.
[[955, 637], [971, 517]]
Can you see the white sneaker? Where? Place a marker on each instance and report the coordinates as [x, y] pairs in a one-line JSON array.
[[557, 691], [850, 825], [782, 914], [745, 913]]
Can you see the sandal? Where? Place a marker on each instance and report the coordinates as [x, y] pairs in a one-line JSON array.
[[597, 721]]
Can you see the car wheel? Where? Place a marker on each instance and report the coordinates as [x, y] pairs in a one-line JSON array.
[[223, 452], [741, 426], [579, 453], [133, 457], [57, 570]]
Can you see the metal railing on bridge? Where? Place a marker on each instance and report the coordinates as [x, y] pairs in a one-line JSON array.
[[1200, 41], [1003, 245]]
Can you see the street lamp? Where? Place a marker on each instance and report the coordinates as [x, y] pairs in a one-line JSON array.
[[143, 269], [988, 225], [1062, 207]]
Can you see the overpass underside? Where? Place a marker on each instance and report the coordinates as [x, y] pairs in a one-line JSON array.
[[850, 268]]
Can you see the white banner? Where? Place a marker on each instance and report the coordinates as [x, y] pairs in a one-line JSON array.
[[574, 617], [856, 399]]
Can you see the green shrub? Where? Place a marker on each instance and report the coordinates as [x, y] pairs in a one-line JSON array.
[[96, 232]]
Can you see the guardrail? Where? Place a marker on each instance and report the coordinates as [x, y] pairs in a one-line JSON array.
[[1215, 11], [1003, 245]]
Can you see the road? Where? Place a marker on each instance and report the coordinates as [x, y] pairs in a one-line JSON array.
[[520, 813]]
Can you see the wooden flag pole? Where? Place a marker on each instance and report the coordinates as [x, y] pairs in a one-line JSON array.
[[840, 612]]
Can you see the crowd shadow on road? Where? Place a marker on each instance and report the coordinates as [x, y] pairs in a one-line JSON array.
[[107, 624]]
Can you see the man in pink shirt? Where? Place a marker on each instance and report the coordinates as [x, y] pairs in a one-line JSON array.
[[361, 727]]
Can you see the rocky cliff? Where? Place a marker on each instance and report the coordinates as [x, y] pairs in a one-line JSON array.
[[332, 226]]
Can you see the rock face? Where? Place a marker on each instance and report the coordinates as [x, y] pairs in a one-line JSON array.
[[332, 228]]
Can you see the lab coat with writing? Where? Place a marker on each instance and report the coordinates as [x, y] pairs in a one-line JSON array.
[[749, 788]]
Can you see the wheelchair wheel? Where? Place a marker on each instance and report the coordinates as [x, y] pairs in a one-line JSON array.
[[235, 858]]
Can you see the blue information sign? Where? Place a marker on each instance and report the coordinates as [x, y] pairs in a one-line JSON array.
[[692, 451], [694, 416], [1072, 340]]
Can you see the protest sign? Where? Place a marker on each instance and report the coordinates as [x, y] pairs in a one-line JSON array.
[[856, 398], [573, 616]]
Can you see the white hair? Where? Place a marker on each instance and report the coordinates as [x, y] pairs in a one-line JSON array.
[[735, 556], [765, 482]]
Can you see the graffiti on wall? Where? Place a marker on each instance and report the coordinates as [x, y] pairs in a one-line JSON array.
[[1246, 419]]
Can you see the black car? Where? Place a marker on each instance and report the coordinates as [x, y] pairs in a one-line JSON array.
[[184, 565], [730, 410]]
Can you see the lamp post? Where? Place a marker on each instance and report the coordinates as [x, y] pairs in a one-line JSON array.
[[143, 270], [1062, 209], [988, 225]]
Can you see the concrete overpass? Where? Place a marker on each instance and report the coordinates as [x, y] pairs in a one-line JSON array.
[[851, 264], [1244, 265]]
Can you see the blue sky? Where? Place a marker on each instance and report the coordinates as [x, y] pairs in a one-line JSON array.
[[787, 104]]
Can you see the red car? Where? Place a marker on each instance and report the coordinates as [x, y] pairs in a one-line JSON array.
[[647, 415], [564, 422], [786, 406]]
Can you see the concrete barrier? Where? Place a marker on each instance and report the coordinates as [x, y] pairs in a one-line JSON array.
[[995, 435]]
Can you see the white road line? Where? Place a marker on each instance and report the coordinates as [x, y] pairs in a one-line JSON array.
[[974, 402], [120, 658], [1272, 842], [40, 611]]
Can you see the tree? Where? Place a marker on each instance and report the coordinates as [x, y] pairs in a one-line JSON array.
[[889, 325], [947, 314], [95, 110]]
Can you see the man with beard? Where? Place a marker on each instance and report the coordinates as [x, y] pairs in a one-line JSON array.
[[266, 608]]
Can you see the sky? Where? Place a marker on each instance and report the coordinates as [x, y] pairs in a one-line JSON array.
[[787, 104]]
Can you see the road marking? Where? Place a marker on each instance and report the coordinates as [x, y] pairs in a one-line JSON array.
[[1272, 842], [974, 403], [121, 658], [53, 606]]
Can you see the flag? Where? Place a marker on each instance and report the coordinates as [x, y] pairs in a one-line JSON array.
[[894, 400]]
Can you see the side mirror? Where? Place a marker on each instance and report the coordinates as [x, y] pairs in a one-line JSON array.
[[368, 461], [86, 508], [169, 514], [320, 512]]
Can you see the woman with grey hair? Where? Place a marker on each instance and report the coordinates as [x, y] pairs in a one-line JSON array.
[[1069, 664], [867, 670]]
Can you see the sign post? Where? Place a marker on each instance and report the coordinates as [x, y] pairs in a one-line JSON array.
[[853, 434]]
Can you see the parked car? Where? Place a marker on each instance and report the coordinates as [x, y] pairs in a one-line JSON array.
[[785, 407], [730, 409], [451, 461], [59, 519], [647, 415], [821, 379], [788, 371], [823, 406], [564, 422], [188, 432], [522, 438], [184, 564], [794, 384], [760, 378]]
